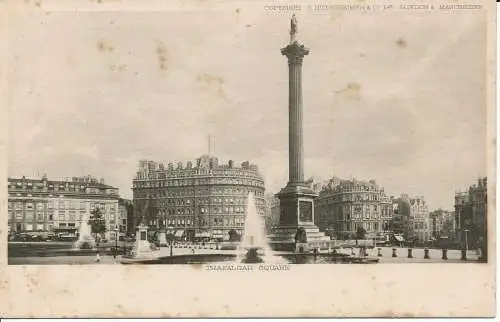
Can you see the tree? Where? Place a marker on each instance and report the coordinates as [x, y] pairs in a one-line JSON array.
[[97, 224], [360, 233]]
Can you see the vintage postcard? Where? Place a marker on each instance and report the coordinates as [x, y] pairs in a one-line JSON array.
[[248, 158]]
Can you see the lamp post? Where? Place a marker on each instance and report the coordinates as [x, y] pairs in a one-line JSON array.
[[116, 242], [125, 242], [466, 241]]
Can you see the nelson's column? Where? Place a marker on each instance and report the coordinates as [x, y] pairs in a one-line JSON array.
[[296, 199]]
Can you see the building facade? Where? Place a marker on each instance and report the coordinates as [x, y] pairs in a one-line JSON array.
[[442, 224], [125, 207], [471, 214], [272, 211], [43, 205], [317, 184], [344, 206], [204, 199], [411, 218]]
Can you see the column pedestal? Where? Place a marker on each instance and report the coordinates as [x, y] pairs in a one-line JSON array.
[[297, 221], [142, 248]]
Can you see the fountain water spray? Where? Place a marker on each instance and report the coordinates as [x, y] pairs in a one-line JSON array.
[[254, 246], [84, 235]]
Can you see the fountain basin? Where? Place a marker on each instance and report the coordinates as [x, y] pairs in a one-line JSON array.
[[185, 259], [288, 258], [253, 256]]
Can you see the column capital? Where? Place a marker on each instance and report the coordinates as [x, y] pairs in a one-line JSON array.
[[295, 52]]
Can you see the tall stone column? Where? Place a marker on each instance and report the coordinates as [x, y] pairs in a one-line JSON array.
[[295, 53], [296, 198]]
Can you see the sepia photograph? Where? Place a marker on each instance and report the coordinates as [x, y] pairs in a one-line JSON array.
[[230, 136]]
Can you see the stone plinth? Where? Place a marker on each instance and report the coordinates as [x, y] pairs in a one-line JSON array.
[[142, 248], [296, 205], [283, 238], [162, 238]]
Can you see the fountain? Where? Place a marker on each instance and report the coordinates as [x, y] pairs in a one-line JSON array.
[[254, 247], [85, 239]]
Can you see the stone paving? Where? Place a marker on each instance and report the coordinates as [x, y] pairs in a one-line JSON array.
[[454, 256], [63, 260]]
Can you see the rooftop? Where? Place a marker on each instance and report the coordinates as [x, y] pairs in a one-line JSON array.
[[87, 181], [148, 168]]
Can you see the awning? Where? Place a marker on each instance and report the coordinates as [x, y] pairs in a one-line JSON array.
[[179, 233], [202, 235]]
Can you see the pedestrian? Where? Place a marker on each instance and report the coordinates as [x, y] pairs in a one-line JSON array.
[[192, 249], [97, 258]]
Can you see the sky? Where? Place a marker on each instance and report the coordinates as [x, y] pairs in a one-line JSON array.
[[395, 97]]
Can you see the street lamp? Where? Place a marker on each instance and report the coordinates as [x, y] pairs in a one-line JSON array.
[[466, 241], [116, 242], [125, 242]]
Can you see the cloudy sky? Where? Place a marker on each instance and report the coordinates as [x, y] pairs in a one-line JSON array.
[[395, 97]]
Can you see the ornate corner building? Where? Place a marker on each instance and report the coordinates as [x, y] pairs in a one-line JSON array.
[[343, 206], [204, 199]]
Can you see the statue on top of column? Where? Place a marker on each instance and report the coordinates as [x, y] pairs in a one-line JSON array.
[[293, 25], [293, 28], [294, 50]]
